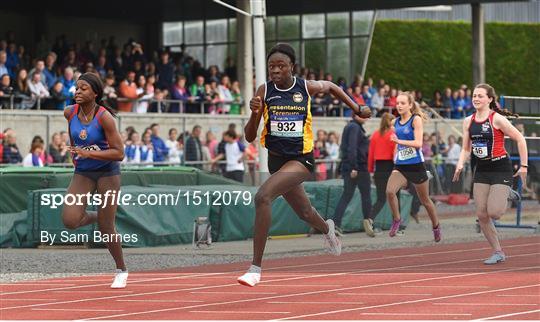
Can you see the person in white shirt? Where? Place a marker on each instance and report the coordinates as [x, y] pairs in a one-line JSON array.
[[174, 146], [377, 101], [332, 147], [225, 93], [33, 159], [36, 87], [454, 151], [235, 152]]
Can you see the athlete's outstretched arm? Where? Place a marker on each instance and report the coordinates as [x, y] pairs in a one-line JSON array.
[[116, 147], [315, 87], [465, 149], [256, 104]]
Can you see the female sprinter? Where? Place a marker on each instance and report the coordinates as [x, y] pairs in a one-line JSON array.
[[381, 163], [409, 161], [96, 147], [285, 103], [484, 132]]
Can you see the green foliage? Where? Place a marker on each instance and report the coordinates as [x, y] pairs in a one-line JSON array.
[[430, 55]]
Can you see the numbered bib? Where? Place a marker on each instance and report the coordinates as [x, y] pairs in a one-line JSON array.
[[480, 149], [91, 148], [287, 125], [407, 153]]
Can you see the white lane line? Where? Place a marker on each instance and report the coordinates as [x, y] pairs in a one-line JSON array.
[[78, 310], [488, 304], [35, 284], [286, 279], [163, 301], [300, 285], [297, 266], [407, 302], [93, 291], [159, 285], [506, 315], [446, 286], [419, 314], [224, 293], [107, 284], [388, 294], [314, 302], [241, 312], [520, 295], [28, 300], [315, 292]]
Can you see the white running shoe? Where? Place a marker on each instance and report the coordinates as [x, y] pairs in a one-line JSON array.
[[120, 279], [252, 277], [331, 241]]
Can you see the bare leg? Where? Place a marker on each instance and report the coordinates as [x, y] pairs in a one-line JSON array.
[[395, 183], [423, 194], [75, 216], [481, 193], [297, 198], [107, 217], [289, 176]]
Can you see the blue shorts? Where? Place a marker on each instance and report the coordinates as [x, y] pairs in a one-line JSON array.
[[109, 170]]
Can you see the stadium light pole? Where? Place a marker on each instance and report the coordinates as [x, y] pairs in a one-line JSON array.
[[258, 13]]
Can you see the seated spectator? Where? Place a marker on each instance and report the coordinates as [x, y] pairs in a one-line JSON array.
[[213, 99], [469, 108], [3, 67], [57, 101], [198, 96], [69, 83], [37, 90], [144, 97], [109, 91], [22, 92], [5, 91], [50, 69], [127, 91], [437, 102], [181, 93], [11, 150], [357, 96], [32, 159], [44, 155], [40, 67], [225, 94], [236, 98], [457, 105], [320, 103], [58, 149], [366, 95], [448, 103], [132, 148], [377, 102]]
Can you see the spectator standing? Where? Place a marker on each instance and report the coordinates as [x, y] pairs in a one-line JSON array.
[[127, 90], [194, 147], [58, 149], [181, 93], [160, 149], [354, 151], [173, 145], [236, 98]]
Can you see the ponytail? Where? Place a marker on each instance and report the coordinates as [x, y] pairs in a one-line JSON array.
[[490, 91]]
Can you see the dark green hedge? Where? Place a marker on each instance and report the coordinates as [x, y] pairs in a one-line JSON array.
[[428, 55]]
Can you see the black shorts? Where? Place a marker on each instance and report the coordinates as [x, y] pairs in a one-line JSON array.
[[111, 169], [494, 172], [415, 173], [275, 161]]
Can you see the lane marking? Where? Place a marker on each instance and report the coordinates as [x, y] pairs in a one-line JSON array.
[[506, 315]]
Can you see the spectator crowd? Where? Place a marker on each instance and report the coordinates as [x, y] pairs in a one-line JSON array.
[[165, 81]]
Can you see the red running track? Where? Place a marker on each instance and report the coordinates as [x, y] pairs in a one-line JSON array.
[[441, 282]]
